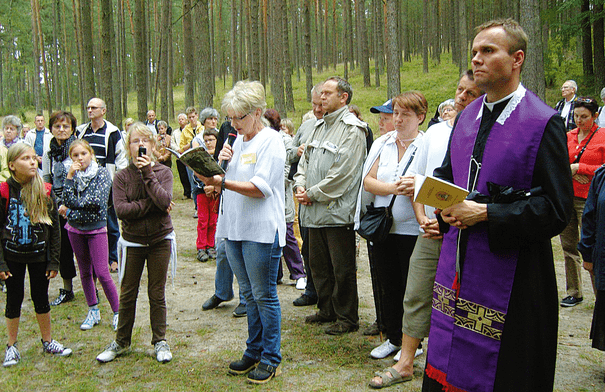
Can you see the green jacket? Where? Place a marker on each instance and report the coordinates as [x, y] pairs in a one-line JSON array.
[[330, 169]]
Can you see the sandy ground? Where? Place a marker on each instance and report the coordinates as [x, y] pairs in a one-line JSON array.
[[194, 333]]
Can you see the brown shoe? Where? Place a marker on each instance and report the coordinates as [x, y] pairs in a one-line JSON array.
[[317, 319], [372, 330], [340, 328]]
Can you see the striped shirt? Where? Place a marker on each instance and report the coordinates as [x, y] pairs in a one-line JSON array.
[[97, 142]]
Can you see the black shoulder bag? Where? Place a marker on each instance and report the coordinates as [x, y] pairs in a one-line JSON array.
[[376, 223]]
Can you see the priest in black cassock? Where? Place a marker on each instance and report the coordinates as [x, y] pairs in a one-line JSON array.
[[495, 303]]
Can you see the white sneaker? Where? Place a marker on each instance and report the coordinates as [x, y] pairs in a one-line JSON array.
[[162, 352], [111, 352], [418, 353], [12, 356], [92, 318], [301, 284], [56, 348], [384, 350], [114, 323]]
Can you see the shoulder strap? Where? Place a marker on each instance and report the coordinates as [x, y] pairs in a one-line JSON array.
[[404, 171]]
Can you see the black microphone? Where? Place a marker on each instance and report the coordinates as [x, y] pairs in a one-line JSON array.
[[230, 140]]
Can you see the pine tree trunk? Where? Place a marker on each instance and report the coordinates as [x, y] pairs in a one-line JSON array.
[[87, 50], [204, 58], [189, 54], [599, 55], [235, 59], [80, 57], [36, 55], [254, 43], [140, 55], [106, 56], [393, 54], [287, 59], [533, 68], [163, 58], [425, 36], [364, 54], [307, 48], [463, 36], [586, 40]]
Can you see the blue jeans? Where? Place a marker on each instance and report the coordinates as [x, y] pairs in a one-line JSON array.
[[223, 279], [255, 265]]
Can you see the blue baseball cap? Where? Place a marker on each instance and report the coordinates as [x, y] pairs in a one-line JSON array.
[[386, 107]]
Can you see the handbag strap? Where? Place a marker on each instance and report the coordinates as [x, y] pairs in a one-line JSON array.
[[585, 145], [405, 169]]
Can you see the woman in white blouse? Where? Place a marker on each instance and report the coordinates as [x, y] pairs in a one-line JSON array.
[[388, 160], [252, 221]]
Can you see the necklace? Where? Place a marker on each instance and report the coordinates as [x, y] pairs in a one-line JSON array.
[[402, 141]]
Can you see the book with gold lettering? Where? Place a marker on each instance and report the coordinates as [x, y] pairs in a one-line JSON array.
[[434, 192], [198, 160]]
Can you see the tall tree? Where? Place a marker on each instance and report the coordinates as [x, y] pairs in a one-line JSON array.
[[106, 58], [362, 37], [204, 57], [287, 58], [87, 49], [425, 36], [189, 54], [254, 46], [393, 54], [598, 35], [308, 60], [463, 36], [163, 58], [533, 69], [235, 60], [36, 56], [586, 39], [140, 54], [275, 29]]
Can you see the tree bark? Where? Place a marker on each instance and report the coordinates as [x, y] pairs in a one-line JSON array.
[[586, 39], [204, 57], [289, 94], [36, 55], [393, 54], [425, 36], [87, 50], [599, 55], [255, 44], [140, 54], [533, 68], [235, 61], [463, 36], [189, 54], [362, 36], [308, 60], [165, 24]]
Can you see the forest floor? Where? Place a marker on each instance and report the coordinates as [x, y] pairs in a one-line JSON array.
[[203, 343]]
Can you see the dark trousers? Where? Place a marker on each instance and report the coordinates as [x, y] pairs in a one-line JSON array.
[[113, 234], [15, 287], [184, 177], [392, 261], [376, 289], [304, 235], [332, 253], [157, 257], [67, 267]]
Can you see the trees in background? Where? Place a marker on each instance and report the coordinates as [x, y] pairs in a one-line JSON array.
[[56, 53]]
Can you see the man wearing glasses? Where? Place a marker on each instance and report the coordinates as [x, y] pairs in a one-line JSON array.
[[566, 105]]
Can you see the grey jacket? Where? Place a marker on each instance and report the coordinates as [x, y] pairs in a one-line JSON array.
[[330, 169], [303, 133]]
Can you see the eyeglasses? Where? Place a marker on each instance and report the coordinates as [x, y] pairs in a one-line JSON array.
[[230, 119]]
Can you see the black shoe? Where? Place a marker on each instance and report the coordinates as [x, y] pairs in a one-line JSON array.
[[64, 296], [242, 366], [570, 301], [202, 255], [240, 311], [263, 373], [212, 303], [317, 319], [304, 300], [340, 328]]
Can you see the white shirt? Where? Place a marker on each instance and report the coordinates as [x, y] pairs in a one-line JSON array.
[[566, 107], [261, 162], [430, 155]]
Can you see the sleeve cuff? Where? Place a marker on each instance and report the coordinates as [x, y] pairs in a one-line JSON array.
[[262, 186]]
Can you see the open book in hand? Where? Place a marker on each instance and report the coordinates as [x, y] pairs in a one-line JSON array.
[[434, 192], [198, 160]]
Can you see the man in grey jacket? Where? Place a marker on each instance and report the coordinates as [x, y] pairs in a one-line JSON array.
[[327, 182]]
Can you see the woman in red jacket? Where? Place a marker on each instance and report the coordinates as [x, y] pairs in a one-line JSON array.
[[586, 145]]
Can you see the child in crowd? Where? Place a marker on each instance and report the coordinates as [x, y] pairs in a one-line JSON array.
[[287, 126], [163, 156], [207, 203], [85, 193], [31, 239]]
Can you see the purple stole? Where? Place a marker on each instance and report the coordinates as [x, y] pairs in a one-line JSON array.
[[466, 326]]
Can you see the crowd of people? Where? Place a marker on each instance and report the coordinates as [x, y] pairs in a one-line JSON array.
[[477, 278]]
